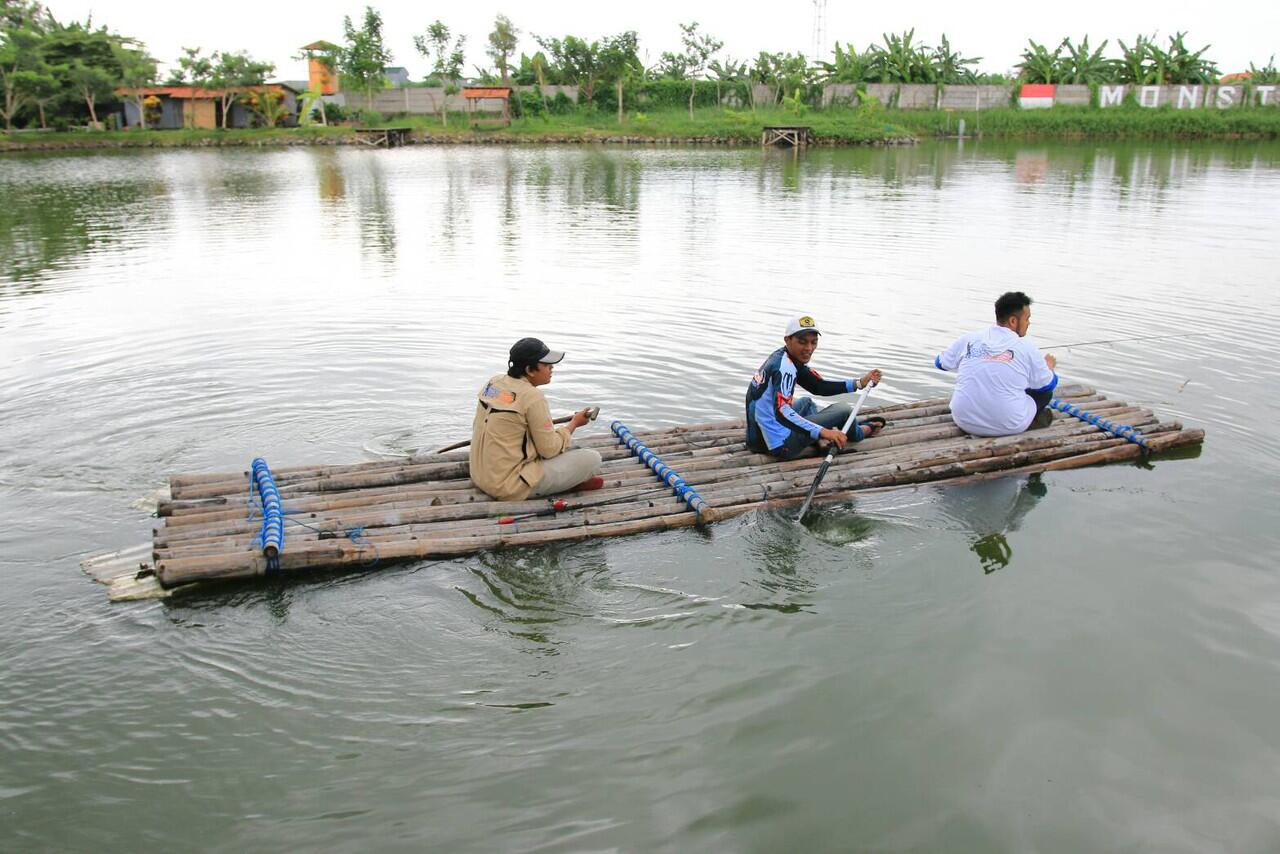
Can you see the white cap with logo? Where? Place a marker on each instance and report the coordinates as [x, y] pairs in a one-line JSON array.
[[804, 323]]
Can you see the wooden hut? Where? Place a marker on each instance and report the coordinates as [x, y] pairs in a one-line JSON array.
[[477, 95]]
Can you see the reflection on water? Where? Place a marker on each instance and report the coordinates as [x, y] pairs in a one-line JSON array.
[[188, 310], [53, 213]]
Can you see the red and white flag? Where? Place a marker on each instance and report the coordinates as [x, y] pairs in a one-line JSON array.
[[1036, 95]]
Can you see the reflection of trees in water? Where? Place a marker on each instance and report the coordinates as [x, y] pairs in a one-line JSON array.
[[44, 225], [329, 179], [375, 212], [1132, 167], [603, 180]]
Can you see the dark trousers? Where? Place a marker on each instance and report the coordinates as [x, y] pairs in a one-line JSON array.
[[1041, 398], [1044, 415], [831, 416]]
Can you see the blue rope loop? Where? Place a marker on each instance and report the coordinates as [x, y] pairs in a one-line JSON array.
[[664, 472], [1117, 431]]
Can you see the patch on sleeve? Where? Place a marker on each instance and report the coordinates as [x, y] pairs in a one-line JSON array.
[[815, 373], [498, 395]]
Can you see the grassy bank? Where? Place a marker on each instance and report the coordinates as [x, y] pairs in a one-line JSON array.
[[832, 127], [1093, 123]]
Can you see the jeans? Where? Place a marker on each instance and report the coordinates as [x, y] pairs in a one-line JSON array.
[[831, 416]]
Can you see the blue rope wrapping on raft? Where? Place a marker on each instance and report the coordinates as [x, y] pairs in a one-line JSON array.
[[1119, 431], [271, 538], [664, 472]]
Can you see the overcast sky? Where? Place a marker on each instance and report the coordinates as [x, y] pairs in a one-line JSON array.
[[1238, 32]]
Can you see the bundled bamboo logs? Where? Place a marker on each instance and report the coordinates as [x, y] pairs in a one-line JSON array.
[[425, 506]]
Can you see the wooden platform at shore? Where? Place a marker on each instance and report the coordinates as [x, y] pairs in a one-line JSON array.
[[425, 507], [383, 137]]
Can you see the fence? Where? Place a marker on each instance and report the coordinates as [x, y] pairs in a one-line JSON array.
[[926, 96]]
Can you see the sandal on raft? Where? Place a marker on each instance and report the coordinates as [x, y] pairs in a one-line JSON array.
[[872, 427]]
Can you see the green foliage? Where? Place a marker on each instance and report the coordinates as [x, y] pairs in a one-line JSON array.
[[620, 65], [1091, 123], [502, 43], [446, 60], [900, 60], [794, 104], [137, 70], [560, 105], [1082, 66], [1268, 75], [22, 65], [1145, 63], [1039, 65], [192, 67], [576, 62], [779, 72], [361, 60]]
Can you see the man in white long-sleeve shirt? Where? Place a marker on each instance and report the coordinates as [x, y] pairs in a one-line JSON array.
[[1004, 383]]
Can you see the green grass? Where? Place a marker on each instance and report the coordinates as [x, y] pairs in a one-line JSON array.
[[841, 126], [729, 126], [1130, 122]]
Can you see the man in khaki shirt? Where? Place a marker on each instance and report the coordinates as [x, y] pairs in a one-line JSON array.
[[516, 452]]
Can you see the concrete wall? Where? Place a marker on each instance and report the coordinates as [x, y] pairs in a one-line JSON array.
[[1071, 95], [976, 97], [924, 96], [1190, 97], [426, 100]]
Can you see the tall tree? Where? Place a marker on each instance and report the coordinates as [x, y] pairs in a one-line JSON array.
[[192, 67], [137, 71], [362, 60], [22, 66], [446, 60], [730, 72], [90, 59], [698, 50], [577, 60], [233, 72], [620, 63], [502, 43]]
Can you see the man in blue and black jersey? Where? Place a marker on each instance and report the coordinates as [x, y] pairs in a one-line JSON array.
[[778, 424]]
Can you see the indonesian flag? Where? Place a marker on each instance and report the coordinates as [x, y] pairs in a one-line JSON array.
[[1036, 95]]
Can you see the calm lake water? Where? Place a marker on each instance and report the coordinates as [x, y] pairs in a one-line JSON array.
[[1085, 661]]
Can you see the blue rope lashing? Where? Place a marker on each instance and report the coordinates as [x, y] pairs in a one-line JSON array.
[[1118, 431], [271, 538], [664, 472]]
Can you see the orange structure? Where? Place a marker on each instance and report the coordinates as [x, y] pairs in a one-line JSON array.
[[320, 75], [476, 94]]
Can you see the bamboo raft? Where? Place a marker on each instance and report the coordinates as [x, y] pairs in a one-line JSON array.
[[215, 526]]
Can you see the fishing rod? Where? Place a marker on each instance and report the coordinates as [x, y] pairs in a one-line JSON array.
[[560, 505], [1121, 340], [592, 414]]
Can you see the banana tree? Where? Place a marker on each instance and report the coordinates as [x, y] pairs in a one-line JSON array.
[[1039, 64], [1084, 66]]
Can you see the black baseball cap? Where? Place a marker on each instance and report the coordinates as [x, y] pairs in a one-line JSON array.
[[530, 351]]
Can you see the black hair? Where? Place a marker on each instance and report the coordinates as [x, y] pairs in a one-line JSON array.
[[1010, 304]]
